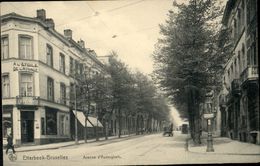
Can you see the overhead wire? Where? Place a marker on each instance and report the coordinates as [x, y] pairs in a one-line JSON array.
[[95, 14], [107, 11]]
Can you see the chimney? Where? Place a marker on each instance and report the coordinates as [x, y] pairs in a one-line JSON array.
[[41, 14], [92, 52], [68, 33], [81, 43], [50, 23]]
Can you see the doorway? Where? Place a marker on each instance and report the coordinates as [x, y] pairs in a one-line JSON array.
[[27, 126]]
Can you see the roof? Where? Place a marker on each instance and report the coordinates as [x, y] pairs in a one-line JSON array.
[[68, 42]]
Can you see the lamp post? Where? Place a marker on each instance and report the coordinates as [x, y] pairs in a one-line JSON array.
[[209, 118], [97, 129], [76, 117], [86, 125]]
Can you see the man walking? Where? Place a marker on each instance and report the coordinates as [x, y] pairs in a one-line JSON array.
[[10, 143]]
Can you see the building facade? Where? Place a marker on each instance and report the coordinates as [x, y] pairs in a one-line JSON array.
[[239, 99], [38, 67]]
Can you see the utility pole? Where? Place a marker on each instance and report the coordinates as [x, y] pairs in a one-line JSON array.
[[76, 117]]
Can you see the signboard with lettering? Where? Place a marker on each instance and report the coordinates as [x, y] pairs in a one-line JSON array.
[[208, 116], [27, 100], [25, 66]]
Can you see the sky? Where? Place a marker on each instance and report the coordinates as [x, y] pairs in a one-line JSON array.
[[177, 121], [129, 27], [133, 23]]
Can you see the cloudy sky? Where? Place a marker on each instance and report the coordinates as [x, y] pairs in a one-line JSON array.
[[133, 23]]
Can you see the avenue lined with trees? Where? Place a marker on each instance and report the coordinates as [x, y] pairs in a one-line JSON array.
[[129, 96], [188, 60]]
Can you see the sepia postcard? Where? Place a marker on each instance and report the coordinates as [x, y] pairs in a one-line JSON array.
[[129, 82]]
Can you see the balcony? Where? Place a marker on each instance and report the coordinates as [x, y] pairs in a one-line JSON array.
[[27, 100], [222, 100], [249, 74], [235, 87]]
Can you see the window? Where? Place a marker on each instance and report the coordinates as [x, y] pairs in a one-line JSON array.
[[5, 86], [235, 67], [51, 121], [4, 48], [243, 13], [7, 124], [232, 71], [26, 84], [62, 63], [49, 55], [253, 54], [72, 91], [62, 93], [251, 10], [76, 67], [251, 49], [235, 29], [239, 62], [239, 20], [50, 89], [71, 66], [25, 47], [62, 126], [243, 55], [81, 69]]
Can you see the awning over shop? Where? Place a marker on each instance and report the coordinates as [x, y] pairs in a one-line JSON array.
[[92, 121]]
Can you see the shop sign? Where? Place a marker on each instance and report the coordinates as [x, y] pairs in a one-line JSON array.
[[27, 100], [208, 116], [8, 115], [25, 66]]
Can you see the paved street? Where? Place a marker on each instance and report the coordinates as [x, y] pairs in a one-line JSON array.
[[148, 149]]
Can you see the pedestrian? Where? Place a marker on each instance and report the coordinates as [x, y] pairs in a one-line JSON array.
[[10, 143]]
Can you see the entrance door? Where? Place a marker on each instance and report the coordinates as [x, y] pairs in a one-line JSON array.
[[27, 126]]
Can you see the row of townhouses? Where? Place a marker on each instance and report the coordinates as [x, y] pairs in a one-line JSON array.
[[239, 98], [38, 77]]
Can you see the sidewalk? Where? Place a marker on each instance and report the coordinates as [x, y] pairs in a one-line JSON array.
[[224, 145], [70, 143]]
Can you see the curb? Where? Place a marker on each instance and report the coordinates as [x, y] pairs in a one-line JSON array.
[[214, 153], [73, 144]]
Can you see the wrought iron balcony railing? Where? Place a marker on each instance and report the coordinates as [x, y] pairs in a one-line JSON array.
[[249, 74]]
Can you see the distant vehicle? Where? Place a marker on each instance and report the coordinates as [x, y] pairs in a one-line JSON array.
[[168, 130], [184, 129]]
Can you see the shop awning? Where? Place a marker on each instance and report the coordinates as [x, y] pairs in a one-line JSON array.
[[92, 121]]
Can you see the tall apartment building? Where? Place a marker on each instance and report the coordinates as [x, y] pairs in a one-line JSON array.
[[239, 100], [38, 74]]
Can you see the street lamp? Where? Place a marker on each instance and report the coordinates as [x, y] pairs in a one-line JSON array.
[[209, 116], [76, 117]]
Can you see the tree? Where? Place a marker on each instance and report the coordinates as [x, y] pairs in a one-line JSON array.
[[121, 87], [134, 94], [92, 89], [183, 58]]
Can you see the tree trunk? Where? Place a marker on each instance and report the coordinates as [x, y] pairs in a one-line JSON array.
[[119, 123], [86, 130], [106, 129], [194, 118]]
